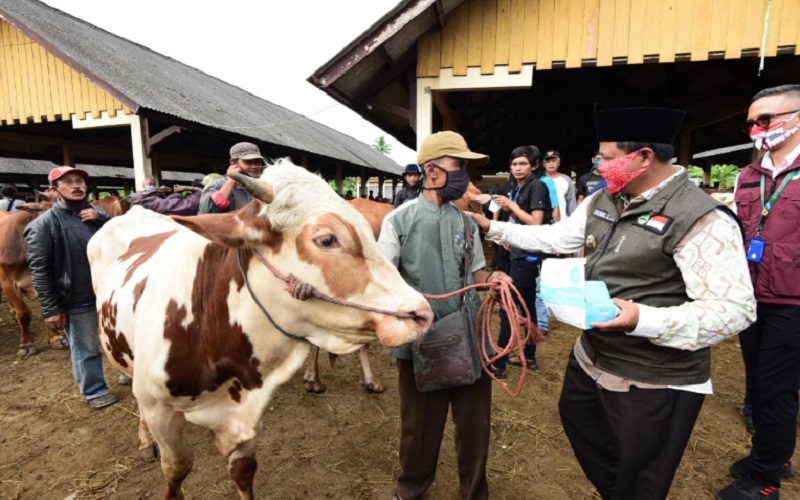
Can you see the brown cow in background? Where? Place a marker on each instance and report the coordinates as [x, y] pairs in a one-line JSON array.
[[15, 276], [113, 205]]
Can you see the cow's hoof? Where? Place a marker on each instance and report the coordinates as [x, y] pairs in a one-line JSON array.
[[26, 350], [59, 343], [375, 387], [314, 387], [123, 379], [150, 454]]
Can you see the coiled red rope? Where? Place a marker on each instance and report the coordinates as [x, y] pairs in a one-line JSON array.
[[483, 328]]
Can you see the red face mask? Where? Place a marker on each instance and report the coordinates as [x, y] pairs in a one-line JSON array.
[[615, 172]]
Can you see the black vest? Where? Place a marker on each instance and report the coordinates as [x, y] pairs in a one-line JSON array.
[[633, 255]]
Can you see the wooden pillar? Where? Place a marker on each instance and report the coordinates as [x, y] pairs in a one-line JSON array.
[[67, 157], [304, 160], [142, 165], [394, 187], [684, 155], [362, 190], [126, 187], [339, 179], [95, 191], [424, 112], [34, 183], [156, 169], [381, 181]]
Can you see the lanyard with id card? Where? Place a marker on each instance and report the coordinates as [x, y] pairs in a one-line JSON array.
[[756, 249]]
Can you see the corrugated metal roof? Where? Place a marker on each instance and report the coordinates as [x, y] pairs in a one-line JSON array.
[[142, 78], [40, 167]]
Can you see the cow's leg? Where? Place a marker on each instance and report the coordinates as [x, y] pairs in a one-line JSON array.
[[371, 381], [148, 449], [242, 466], [57, 339], [177, 456], [311, 379], [27, 346]]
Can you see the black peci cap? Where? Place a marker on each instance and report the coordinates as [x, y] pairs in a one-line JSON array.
[[656, 125]]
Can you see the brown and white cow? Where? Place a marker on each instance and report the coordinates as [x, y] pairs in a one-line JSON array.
[[206, 352], [15, 275]]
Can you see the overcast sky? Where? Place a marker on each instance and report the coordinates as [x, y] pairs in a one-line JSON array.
[[267, 47]]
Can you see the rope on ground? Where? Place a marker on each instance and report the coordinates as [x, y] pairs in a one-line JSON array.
[[504, 294]]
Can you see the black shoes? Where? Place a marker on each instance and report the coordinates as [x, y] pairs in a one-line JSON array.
[[749, 488], [739, 469]]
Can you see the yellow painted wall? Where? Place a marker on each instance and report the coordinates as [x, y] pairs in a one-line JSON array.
[[489, 33], [36, 86]]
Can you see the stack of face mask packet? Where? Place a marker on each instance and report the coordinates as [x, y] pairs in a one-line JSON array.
[[570, 298]]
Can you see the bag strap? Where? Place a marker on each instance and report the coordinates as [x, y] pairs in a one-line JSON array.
[[467, 252]]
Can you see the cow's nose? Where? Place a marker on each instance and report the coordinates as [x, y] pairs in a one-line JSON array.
[[423, 318]]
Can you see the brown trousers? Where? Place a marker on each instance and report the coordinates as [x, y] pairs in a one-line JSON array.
[[422, 418]]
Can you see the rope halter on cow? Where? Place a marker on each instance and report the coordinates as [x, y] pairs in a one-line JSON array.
[[483, 328]]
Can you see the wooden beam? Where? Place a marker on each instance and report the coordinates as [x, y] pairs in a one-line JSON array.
[[440, 16], [449, 122], [389, 108], [155, 139]]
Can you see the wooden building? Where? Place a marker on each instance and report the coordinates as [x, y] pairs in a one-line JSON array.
[[72, 92], [506, 73]]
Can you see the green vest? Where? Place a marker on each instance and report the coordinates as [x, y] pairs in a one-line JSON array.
[[634, 255], [432, 257]]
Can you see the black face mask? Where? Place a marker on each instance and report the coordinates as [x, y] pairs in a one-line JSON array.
[[455, 186]]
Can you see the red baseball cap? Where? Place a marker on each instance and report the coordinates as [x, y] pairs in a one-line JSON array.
[[59, 172]]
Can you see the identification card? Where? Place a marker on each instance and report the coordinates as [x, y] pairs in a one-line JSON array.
[[755, 250], [493, 206]]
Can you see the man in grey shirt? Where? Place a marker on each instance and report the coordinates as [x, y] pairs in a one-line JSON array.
[[224, 195]]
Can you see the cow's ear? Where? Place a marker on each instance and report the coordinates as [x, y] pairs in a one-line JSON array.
[[242, 228]]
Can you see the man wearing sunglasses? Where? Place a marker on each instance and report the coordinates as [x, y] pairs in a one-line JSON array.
[[768, 203]]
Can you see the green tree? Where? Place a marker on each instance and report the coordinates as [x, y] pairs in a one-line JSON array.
[[382, 146], [722, 176]]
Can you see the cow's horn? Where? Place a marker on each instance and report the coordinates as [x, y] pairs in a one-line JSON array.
[[41, 195], [259, 190]]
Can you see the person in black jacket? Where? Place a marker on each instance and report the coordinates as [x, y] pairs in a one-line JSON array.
[[412, 188], [61, 275]]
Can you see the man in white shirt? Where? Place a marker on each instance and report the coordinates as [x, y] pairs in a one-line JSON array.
[[564, 185]]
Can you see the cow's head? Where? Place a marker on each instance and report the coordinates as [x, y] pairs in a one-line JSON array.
[[47, 198], [301, 226]]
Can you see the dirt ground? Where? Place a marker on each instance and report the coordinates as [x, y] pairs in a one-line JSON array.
[[341, 444]]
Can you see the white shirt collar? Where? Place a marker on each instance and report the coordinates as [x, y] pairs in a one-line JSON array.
[[767, 164]]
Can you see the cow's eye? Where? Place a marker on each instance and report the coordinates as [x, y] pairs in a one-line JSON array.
[[326, 241]]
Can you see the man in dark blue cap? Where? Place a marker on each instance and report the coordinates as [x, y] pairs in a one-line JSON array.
[[411, 190], [672, 259]]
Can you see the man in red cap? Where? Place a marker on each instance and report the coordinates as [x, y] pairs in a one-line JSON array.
[[60, 271]]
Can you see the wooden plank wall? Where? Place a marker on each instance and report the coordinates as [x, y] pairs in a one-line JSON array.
[[489, 33], [36, 86]]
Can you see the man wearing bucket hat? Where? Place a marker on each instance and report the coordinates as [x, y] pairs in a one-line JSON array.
[[60, 273], [224, 195], [673, 261], [412, 188], [425, 238]]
